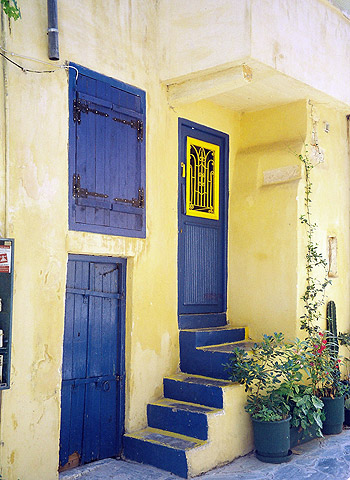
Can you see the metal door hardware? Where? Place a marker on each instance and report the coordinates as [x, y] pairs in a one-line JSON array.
[[137, 124], [138, 202], [80, 106], [79, 192]]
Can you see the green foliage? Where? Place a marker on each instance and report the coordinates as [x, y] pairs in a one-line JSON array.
[[344, 340], [12, 10], [272, 372], [270, 364], [322, 365], [314, 295], [321, 360], [305, 408], [347, 404]]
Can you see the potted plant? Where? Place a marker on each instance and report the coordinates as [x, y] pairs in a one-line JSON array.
[[347, 412], [270, 364], [307, 414], [322, 366], [321, 360], [344, 340]]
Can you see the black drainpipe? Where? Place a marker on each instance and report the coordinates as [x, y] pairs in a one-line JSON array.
[[52, 30]]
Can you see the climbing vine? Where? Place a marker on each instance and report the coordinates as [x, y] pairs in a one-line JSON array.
[[314, 295], [11, 9]]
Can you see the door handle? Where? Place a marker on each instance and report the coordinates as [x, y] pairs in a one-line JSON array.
[[106, 386], [183, 170]]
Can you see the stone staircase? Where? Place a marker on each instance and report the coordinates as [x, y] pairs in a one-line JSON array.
[[200, 422]]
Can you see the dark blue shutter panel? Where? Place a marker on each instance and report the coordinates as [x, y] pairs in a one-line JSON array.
[[107, 157]]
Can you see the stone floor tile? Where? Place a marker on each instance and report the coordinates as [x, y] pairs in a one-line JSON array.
[[321, 459], [333, 466]]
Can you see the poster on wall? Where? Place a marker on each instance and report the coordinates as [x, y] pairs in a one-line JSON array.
[[5, 258]]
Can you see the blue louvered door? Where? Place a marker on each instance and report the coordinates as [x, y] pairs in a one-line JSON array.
[[93, 366], [202, 207]]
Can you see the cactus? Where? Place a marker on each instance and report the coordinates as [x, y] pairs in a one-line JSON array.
[[332, 328], [332, 337]]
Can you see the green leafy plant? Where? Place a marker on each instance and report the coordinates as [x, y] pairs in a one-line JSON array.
[[270, 364], [11, 9], [305, 408], [321, 360], [347, 404], [344, 340], [315, 263], [322, 366]]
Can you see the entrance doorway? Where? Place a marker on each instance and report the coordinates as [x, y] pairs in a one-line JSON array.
[[92, 406], [202, 217]]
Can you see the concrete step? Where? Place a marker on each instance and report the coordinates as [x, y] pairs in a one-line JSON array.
[[228, 435], [199, 320], [161, 449], [200, 337], [201, 422], [246, 345], [195, 388], [180, 417], [207, 351]]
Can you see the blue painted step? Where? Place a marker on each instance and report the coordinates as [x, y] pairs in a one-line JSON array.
[[160, 449], [196, 389], [200, 337], [206, 351], [179, 422], [210, 361], [200, 320], [179, 417], [209, 364]]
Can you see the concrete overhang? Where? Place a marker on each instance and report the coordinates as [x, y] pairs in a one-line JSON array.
[[252, 54]]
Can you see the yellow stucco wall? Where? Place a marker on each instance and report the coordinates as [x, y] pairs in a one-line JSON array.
[[330, 203], [267, 242], [262, 292], [37, 219], [265, 278]]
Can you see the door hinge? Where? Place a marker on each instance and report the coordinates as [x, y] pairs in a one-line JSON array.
[[79, 106], [137, 124], [79, 192], [138, 202], [139, 130]]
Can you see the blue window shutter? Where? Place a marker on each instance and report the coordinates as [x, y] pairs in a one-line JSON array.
[[107, 156]]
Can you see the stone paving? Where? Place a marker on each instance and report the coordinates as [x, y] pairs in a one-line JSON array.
[[321, 459]]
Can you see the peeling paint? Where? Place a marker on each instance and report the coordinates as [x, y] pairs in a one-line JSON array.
[[14, 421], [317, 153]]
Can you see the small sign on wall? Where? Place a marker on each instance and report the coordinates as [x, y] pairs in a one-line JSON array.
[[6, 293], [5, 258]]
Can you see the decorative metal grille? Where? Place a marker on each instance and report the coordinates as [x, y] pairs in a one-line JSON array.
[[202, 183]]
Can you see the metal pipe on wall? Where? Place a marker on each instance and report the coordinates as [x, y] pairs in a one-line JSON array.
[[52, 30]]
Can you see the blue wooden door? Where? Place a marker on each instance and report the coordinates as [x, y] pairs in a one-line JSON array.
[[202, 241], [92, 404]]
